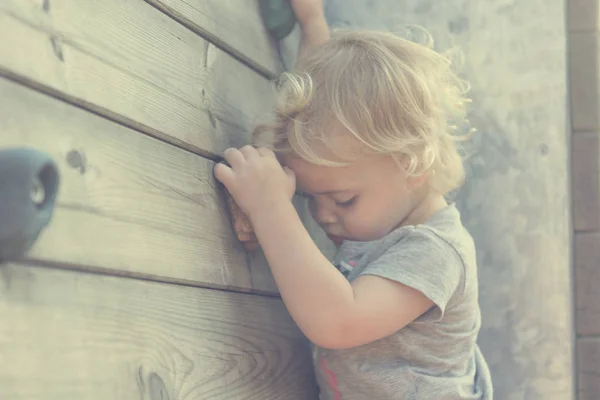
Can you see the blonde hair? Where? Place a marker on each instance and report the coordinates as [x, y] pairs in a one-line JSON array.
[[392, 95]]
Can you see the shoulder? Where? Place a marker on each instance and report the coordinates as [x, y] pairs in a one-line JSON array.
[[420, 253], [425, 243], [441, 246], [424, 261], [446, 229]]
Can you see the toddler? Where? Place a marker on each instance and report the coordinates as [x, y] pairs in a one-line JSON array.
[[365, 128]]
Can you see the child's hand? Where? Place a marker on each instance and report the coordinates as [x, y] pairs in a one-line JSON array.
[[256, 180], [308, 10], [315, 30]]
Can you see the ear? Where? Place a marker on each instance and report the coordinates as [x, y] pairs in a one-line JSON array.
[[418, 181], [415, 181]]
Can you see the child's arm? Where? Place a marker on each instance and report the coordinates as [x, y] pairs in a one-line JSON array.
[[329, 310], [311, 16]]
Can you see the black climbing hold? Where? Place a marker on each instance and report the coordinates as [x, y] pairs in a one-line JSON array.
[[29, 181], [278, 17]]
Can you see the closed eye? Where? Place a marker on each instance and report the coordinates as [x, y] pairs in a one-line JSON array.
[[347, 203]]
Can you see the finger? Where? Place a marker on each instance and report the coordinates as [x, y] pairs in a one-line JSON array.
[[224, 174], [291, 178], [249, 152], [234, 157], [265, 152]]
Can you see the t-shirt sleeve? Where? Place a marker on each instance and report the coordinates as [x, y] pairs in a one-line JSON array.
[[425, 262]]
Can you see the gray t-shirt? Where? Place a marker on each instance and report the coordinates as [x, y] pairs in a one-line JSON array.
[[435, 356]]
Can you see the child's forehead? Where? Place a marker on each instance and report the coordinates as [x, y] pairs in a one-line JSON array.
[[315, 172], [320, 179], [317, 178]]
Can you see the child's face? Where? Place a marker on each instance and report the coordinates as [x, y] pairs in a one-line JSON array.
[[363, 201]]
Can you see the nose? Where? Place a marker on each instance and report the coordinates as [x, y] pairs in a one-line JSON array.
[[321, 212]]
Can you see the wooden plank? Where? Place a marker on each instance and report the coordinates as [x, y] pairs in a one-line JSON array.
[[584, 73], [583, 15], [585, 181], [236, 26], [68, 335], [588, 368], [128, 202], [128, 61], [587, 280]]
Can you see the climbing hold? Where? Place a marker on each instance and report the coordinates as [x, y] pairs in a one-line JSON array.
[[278, 17], [29, 181]]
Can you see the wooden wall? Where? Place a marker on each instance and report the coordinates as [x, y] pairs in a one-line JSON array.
[[138, 288], [584, 75]]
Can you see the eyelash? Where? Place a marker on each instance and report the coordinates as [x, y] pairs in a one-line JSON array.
[[347, 203]]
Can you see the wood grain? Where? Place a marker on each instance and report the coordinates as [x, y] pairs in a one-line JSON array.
[[66, 335], [128, 203], [127, 61], [236, 26]]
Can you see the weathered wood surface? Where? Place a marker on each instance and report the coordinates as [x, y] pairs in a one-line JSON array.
[[587, 284], [584, 74], [583, 15], [128, 61], [234, 25], [128, 202], [68, 335], [585, 181], [588, 373]]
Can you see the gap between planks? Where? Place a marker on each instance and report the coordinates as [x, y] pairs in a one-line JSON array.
[[106, 114], [267, 71], [114, 338], [168, 221], [171, 88], [136, 276]]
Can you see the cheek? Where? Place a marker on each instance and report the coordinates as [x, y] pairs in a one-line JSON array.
[[374, 218], [316, 208], [366, 224]]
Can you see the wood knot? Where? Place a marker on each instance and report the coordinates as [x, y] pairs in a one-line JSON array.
[[76, 159], [156, 388]]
